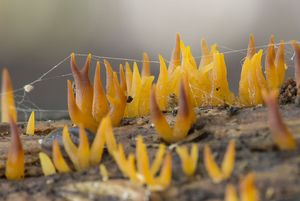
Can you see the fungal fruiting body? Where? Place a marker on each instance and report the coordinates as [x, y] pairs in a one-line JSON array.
[[8, 109], [90, 104], [184, 119], [138, 88], [46, 164], [143, 173], [104, 172], [248, 190], [84, 155], [188, 161], [31, 124], [216, 174], [281, 135], [208, 82], [15, 157], [253, 81], [275, 66]]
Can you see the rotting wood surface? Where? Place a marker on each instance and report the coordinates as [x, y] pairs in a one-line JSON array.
[[277, 173]]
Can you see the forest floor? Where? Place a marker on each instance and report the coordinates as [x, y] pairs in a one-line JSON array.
[[277, 173]]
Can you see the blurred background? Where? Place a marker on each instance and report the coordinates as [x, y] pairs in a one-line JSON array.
[[36, 35]]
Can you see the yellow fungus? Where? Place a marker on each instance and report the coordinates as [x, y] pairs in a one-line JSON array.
[[128, 76], [30, 124], [215, 173], [84, 89], [274, 65], [109, 135], [58, 159], [175, 58], [184, 119], [159, 156], [251, 47], [15, 156], [8, 109], [164, 179], [104, 173], [281, 135], [157, 118], [252, 81], [97, 146], [70, 147], [162, 85], [117, 102], [109, 79], [188, 160], [122, 79], [229, 160], [139, 91], [140, 172], [248, 191], [100, 103], [211, 166], [83, 151], [77, 115], [46, 164], [230, 193], [146, 65], [142, 160]]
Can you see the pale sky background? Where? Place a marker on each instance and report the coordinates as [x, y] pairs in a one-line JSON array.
[[36, 34]]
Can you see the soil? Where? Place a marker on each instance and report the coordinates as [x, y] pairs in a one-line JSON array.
[[277, 172]]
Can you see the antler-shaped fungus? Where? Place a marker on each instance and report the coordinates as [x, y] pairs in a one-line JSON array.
[[184, 120], [90, 104], [143, 173], [248, 190], [252, 80], [83, 156], [188, 161], [275, 65], [215, 173]]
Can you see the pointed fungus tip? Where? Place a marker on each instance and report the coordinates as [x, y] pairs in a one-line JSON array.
[[211, 166], [188, 160], [97, 146], [230, 193], [161, 125], [229, 160], [46, 164], [83, 152], [15, 156], [165, 176], [58, 159], [109, 135], [158, 159], [272, 39], [31, 124], [104, 172], [8, 108], [70, 147], [146, 65], [251, 47], [248, 190]]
